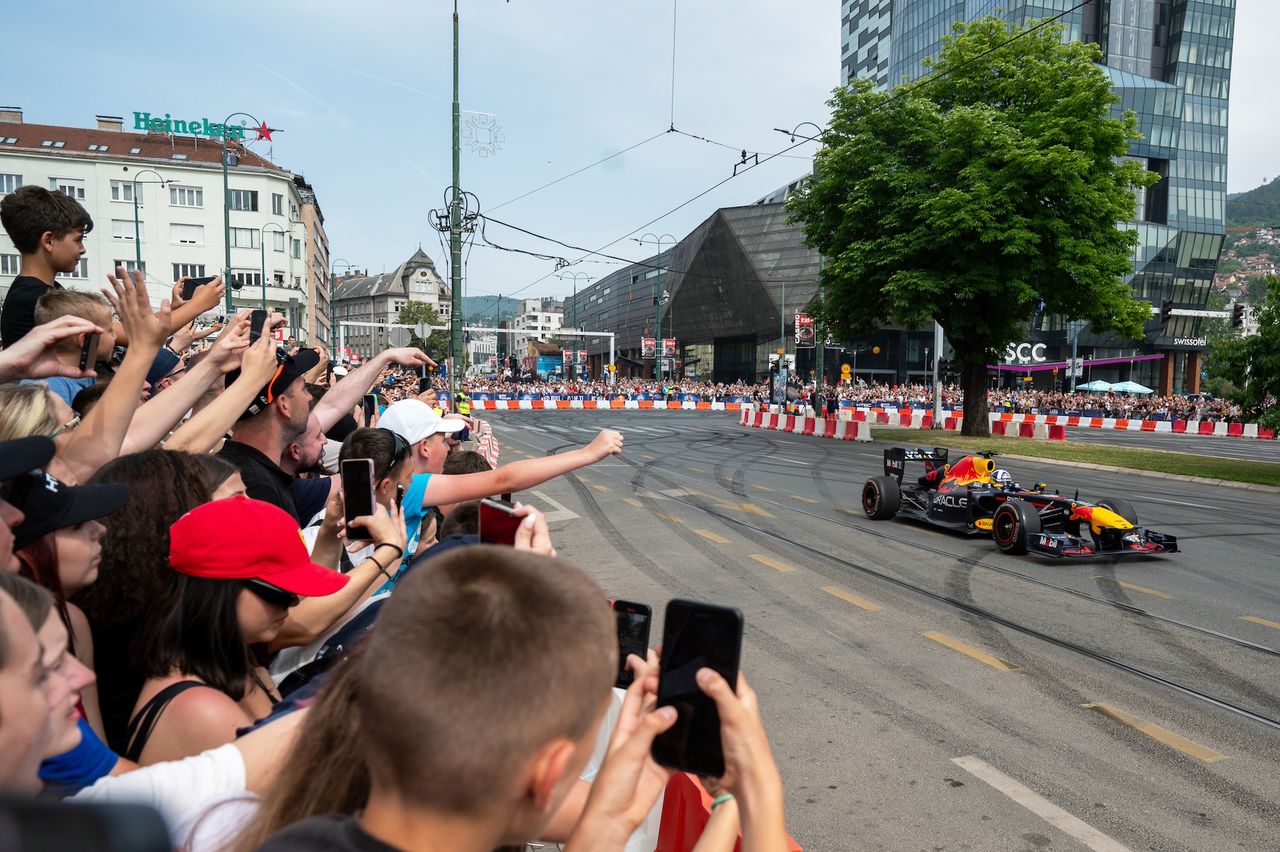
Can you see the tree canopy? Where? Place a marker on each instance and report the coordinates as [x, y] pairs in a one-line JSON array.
[[436, 343], [1252, 364], [978, 196]]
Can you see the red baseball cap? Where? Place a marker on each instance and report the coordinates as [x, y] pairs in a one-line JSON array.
[[241, 539]]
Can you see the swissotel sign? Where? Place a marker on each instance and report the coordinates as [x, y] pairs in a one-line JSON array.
[[191, 126]]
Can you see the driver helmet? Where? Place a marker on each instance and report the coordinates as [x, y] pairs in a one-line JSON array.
[[1001, 477]]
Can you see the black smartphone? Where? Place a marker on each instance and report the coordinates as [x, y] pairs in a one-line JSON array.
[[633, 636], [498, 522], [370, 407], [357, 493], [89, 352], [257, 320], [189, 286], [695, 636], [400, 496]]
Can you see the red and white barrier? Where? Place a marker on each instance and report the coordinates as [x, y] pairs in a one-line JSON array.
[[818, 427]]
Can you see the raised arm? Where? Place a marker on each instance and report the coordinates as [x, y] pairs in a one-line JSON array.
[[32, 357], [347, 392], [521, 475], [206, 426]]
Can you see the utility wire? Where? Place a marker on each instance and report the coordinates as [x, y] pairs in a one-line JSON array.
[[581, 170]]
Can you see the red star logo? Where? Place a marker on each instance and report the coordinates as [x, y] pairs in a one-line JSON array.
[[265, 132]]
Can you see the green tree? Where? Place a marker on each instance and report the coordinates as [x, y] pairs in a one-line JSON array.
[[1252, 363], [974, 197], [435, 344]]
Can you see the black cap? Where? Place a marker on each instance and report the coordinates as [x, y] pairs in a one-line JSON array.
[[290, 369], [51, 504], [24, 454]]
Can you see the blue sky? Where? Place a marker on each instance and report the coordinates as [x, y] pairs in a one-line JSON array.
[[361, 92]]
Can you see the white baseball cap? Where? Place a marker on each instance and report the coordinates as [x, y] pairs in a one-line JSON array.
[[414, 420]]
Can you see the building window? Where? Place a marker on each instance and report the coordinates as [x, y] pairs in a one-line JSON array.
[[186, 235], [52, 143], [135, 150], [178, 157], [81, 270], [97, 147], [277, 278], [245, 238], [9, 264], [9, 140], [129, 266], [123, 229], [190, 270], [297, 248], [277, 240], [245, 278], [68, 186], [244, 199], [122, 190], [297, 282], [186, 196], [9, 183], [277, 204]]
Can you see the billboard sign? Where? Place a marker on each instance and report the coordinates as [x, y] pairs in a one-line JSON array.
[[804, 332], [647, 347]]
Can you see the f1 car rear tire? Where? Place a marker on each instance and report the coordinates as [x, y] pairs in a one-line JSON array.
[[1121, 508], [1013, 525], [881, 497]]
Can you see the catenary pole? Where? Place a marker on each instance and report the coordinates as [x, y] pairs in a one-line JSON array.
[[455, 227]]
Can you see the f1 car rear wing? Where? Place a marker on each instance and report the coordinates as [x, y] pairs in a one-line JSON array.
[[896, 458]]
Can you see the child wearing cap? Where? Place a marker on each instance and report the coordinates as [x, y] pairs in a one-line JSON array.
[[239, 565]]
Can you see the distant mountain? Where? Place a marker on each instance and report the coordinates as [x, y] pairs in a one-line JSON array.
[[1257, 208], [483, 310]]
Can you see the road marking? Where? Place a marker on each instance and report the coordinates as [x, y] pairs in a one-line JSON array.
[[1133, 587], [1067, 823], [603, 488], [668, 517], [761, 487], [697, 470], [970, 651], [1162, 735], [632, 502], [585, 429], [1174, 502], [753, 509], [850, 597], [562, 513], [648, 457], [773, 563], [793, 461], [803, 499], [852, 512], [1264, 622], [710, 536]]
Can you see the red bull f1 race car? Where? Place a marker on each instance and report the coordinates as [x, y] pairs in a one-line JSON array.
[[973, 496]]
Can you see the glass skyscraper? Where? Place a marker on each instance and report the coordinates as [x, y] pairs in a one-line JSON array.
[[1169, 62]]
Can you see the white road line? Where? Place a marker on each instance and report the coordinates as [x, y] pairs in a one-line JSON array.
[[793, 461], [1174, 502], [561, 513], [1065, 822]]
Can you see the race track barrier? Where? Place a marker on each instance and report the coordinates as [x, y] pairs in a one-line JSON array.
[[818, 427], [686, 808]]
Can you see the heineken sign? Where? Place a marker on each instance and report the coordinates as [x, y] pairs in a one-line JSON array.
[[145, 121]]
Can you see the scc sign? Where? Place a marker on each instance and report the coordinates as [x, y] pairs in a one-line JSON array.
[[1025, 353]]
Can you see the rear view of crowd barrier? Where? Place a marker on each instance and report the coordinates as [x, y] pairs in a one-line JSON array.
[[596, 403]]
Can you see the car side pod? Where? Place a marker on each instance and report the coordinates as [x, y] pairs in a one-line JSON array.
[[881, 497]]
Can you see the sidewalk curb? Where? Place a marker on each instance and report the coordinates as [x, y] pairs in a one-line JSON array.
[[1153, 474]]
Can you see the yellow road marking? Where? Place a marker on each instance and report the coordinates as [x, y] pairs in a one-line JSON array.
[[697, 470], [852, 512], [753, 509], [600, 487], [632, 502], [970, 651], [773, 563], [1163, 735], [1264, 622], [850, 597], [1136, 588], [648, 457], [710, 536], [668, 517], [802, 499], [762, 487]]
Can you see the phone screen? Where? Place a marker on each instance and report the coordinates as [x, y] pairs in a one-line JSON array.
[[497, 523], [189, 286], [370, 407], [633, 636], [357, 491], [89, 352], [257, 320], [695, 636]]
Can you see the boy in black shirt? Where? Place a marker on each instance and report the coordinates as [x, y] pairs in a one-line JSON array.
[[48, 230]]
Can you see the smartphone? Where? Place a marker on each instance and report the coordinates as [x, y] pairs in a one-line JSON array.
[[189, 286], [695, 636], [257, 320], [89, 352], [370, 407], [357, 492], [633, 636], [400, 496], [497, 522]]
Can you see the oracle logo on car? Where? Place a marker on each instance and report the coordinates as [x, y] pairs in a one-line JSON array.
[[1025, 353]]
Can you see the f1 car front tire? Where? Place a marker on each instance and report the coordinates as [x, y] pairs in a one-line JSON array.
[[881, 497], [1013, 525], [1121, 508]]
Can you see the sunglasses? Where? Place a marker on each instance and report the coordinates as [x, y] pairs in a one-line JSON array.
[[66, 427], [273, 595]]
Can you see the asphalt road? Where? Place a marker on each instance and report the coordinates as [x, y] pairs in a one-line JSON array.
[[922, 690], [1251, 449]]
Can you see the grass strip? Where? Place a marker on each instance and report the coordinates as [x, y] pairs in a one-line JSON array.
[[1159, 461]]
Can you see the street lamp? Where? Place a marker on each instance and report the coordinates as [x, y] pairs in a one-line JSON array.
[[657, 305], [226, 200], [333, 302], [574, 277], [137, 227]]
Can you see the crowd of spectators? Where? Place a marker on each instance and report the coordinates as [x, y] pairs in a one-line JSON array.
[[190, 621]]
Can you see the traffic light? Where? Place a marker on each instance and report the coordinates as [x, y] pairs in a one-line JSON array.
[[1237, 315], [1166, 311]]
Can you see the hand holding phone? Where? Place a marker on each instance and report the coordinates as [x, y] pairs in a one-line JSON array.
[[357, 493], [189, 286], [633, 620], [89, 352], [498, 522], [257, 320], [695, 636]]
